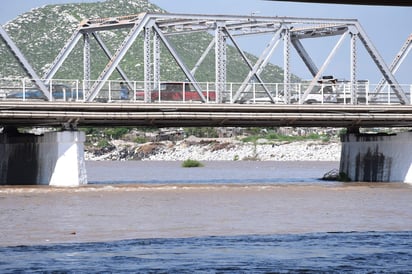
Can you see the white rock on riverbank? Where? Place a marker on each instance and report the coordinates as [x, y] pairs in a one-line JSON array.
[[296, 151], [222, 149]]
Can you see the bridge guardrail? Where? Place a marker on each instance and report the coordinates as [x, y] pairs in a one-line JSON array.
[[341, 92]]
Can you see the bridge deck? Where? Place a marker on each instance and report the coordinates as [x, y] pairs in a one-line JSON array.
[[170, 115]]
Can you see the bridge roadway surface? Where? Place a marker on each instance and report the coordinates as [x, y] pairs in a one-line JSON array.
[[57, 114]]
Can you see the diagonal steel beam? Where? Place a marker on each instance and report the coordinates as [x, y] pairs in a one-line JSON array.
[[117, 57], [322, 69], [305, 57], [203, 57], [180, 62], [63, 54], [109, 55], [396, 63], [260, 63], [24, 63], [249, 65], [380, 63]]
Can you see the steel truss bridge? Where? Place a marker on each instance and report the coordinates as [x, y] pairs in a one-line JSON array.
[[259, 101]]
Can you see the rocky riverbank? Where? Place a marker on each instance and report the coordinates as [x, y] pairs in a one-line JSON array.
[[228, 149]]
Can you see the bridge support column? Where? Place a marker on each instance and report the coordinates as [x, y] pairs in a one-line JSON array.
[[377, 157], [55, 158]]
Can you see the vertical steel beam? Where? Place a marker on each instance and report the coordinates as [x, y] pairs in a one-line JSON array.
[[220, 62], [86, 62], [147, 54], [353, 79], [180, 62], [156, 60], [322, 69], [24, 63], [286, 66]]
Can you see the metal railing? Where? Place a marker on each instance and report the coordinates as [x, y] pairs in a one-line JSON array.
[[342, 92]]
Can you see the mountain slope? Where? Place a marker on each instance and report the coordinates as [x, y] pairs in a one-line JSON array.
[[42, 32]]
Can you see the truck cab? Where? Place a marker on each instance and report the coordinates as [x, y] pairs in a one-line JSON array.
[[324, 93]]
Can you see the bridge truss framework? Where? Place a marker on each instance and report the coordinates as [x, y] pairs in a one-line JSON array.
[[156, 28]]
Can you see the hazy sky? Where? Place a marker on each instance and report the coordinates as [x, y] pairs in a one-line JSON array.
[[387, 27]]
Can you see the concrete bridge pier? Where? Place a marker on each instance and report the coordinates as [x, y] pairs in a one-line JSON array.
[[54, 158], [377, 157]]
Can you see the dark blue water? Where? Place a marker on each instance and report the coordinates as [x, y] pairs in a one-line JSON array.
[[348, 252]]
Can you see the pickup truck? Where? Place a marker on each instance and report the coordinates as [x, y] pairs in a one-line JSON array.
[[324, 93], [176, 91]]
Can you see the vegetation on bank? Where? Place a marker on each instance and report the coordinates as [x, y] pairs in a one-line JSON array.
[[274, 136], [101, 137], [191, 163]]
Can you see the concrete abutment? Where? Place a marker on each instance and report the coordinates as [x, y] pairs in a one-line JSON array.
[[377, 157], [57, 158], [54, 158]]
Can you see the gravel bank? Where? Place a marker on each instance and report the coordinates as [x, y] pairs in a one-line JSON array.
[[219, 149]]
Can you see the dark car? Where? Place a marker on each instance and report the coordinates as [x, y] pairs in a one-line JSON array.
[[59, 92], [28, 94]]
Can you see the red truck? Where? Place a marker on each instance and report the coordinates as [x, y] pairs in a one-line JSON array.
[[176, 91]]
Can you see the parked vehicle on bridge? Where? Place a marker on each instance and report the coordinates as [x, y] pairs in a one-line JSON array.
[[176, 91], [59, 92], [266, 100], [28, 94], [325, 92]]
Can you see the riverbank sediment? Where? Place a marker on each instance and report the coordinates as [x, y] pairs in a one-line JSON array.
[[212, 149]]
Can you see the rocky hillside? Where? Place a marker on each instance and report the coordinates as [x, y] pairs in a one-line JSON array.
[[42, 32]]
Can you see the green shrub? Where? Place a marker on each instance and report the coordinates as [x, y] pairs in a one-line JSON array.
[[116, 132], [191, 163], [140, 140], [103, 143], [273, 136]]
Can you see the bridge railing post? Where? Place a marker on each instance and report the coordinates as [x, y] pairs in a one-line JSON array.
[[231, 93], [207, 87], [322, 94], [159, 92], [134, 91], [410, 93], [388, 94], [184, 91], [24, 88], [110, 91], [366, 94]]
